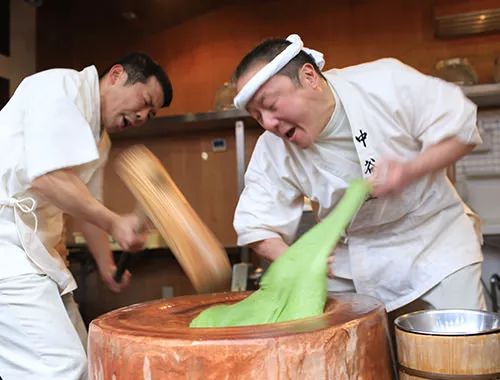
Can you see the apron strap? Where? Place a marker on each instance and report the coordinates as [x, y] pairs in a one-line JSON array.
[[25, 205]]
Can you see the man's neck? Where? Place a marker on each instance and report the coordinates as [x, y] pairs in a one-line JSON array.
[[328, 105]]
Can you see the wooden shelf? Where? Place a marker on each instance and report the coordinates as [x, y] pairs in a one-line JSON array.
[[484, 95], [187, 123]]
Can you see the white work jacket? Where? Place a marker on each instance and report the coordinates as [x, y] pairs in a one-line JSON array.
[[398, 247], [51, 122]]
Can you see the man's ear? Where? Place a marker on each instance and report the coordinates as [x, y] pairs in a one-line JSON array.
[[308, 76], [115, 74]]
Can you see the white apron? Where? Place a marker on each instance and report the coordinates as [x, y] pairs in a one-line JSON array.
[[51, 122], [49, 263]]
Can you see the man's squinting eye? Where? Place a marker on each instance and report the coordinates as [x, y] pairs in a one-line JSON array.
[[269, 104], [257, 116]]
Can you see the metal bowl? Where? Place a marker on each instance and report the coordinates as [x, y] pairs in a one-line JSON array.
[[449, 322], [456, 70]]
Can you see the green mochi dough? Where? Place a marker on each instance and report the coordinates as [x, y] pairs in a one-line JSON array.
[[294, 286]]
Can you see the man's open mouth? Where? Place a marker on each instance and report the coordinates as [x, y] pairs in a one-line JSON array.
[[290, 133]]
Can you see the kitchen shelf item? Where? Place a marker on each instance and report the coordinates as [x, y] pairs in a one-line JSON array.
[[224, 97], [484, 95], [456, 70]]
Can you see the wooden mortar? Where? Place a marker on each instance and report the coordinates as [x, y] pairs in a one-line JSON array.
[[153, 341]]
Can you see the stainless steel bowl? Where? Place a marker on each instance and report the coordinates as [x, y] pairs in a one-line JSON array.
[[448, 322]]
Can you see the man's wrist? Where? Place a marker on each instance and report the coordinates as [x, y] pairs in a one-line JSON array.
[[414, 170]]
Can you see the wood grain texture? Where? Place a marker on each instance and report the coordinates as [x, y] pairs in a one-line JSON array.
[[153, 341], [449, 355], [196, 248]]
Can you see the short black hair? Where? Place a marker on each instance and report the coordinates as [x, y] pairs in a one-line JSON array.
[[139, 68], [266, 51]]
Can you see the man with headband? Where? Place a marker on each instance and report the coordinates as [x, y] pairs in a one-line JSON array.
[[381, 120]]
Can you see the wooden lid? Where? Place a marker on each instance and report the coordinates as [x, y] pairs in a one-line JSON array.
[[196, 248]]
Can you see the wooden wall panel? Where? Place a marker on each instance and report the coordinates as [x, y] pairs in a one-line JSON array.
[[201, 54]]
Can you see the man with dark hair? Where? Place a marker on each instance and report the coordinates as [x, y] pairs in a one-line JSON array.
[[54, 143], [383, 121], [139, 68]]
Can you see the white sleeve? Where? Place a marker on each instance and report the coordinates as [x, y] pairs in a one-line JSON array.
[[56, 136], [269, 206], [96, 181], [438, 109]]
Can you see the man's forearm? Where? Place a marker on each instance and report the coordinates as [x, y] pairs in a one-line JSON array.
[[270, 249], [98, 243], [439, 156], [392, 176], [65, 190]]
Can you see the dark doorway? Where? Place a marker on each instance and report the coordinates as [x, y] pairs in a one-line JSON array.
[[5, 27], [4, 93]]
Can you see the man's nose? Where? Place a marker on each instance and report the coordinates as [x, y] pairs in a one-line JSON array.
[[269, 122], [141, 117]]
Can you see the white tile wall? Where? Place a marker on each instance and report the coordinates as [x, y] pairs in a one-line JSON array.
[[478, 174]]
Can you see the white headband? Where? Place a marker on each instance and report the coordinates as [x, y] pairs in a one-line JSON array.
[[266, 72]]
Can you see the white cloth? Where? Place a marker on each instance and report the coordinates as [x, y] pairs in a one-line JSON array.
[[273, 67], [39, 337], [51, 122], [399, 247], [460, 290], [343, 146]]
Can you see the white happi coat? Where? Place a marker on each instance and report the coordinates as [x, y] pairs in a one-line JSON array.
[[51, 122], [398, 247]]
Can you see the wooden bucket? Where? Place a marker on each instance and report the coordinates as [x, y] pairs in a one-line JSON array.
[[153, 341], [448, 345]]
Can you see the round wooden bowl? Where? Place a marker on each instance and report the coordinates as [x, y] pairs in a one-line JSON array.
[[153, 341], [196, 248]]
